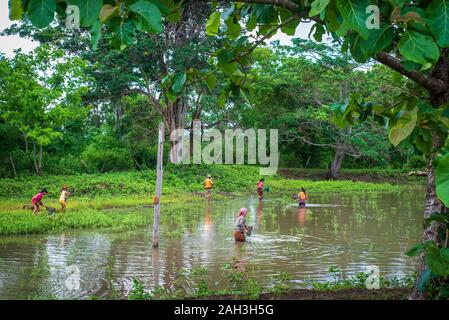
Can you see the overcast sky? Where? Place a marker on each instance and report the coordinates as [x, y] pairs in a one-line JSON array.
[[9, 44]]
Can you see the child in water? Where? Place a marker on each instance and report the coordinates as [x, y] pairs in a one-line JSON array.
[[37, 200], [240, 226], [302, 197], [63, 197], [260, 188], [208, 184]]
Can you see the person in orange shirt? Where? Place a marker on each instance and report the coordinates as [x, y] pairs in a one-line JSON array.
[[208, 184], [302, 197]]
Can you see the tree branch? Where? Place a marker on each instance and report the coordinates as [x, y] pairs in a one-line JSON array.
[[286, 4], [429, 83]]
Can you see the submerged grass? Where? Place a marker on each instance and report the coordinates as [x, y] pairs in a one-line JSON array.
[[237, 284]]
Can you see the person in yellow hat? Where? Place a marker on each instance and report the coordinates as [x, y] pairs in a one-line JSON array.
[[208, 184]]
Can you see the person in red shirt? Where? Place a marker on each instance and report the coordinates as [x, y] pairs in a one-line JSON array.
[[37, 200], [260, 189]]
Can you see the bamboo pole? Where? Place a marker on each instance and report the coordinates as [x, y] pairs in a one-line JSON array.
[[157, 204]]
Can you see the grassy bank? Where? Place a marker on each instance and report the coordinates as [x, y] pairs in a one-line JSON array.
[[177, 180], [124, 190], [241, 284]]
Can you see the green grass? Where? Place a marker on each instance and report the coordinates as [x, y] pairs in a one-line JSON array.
[[177, 180], [182, 184], [19, 222]]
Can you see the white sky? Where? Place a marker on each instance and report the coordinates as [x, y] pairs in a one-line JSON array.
[[8, 44]]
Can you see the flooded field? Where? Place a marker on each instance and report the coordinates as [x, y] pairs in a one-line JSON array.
[[351, 231]]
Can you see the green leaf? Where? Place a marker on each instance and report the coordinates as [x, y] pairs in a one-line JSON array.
[[354, 14], [424, 279], [403, 127], [229, 68], [149, 17], [178, 81], [415, 250], [436, 261], [290, 27], [171, 95], [436, 217], [41, 12], [125, 33], [213, 23], [211, 81], [444, 252], [266, 14], [89, 10], [234, 28], [378, 40], [318, 6], [442, 179], [437, 19], [15, 9], [95, 34], [418, 48]]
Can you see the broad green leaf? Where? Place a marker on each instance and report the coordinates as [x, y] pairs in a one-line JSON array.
[[442, 179], [41, 12], [403, 127], [289, 28], [378, 40], [125, 33], [354, 14], [357, 51], [178, 81], [89, 10], [437, 19], [225, 56], [234, 28], [436, 261], [418, 48], [415, 250], [213, 23], [95, 34], [436, 217], [266, 14], [149, 17], [444, 252], [424, 279], [165, 8], [171, 95], [211, 81], [15, 9], [229, 68], [318, 6]]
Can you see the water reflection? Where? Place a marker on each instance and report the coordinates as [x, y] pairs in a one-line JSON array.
[[366, 229]]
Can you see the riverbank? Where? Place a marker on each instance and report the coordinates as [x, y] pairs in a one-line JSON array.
[[342, 294]]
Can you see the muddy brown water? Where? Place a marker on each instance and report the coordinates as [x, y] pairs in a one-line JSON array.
[[368, 229]]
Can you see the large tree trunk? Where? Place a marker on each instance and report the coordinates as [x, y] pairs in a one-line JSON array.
[[336, 164], [432, 204], [175, 117]]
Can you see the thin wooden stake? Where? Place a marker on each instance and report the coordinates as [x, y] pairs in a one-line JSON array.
[[157, 199]]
